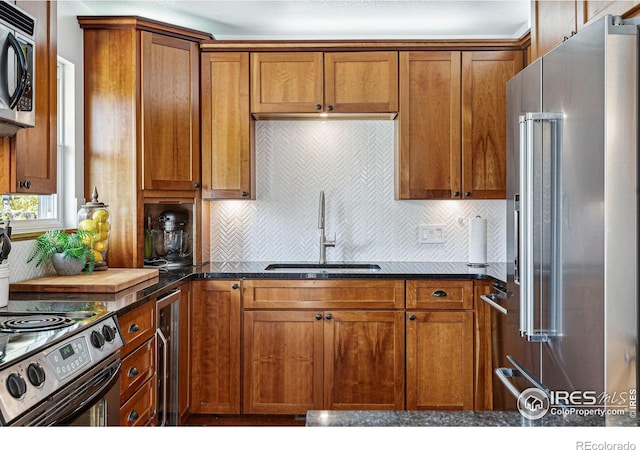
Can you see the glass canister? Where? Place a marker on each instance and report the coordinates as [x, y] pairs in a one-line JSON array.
[[94, 216]]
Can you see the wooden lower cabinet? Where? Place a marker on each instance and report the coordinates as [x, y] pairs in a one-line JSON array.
[[300, 360], [283, 361], [283, 347], [138, 377], [215, 347], [439, 360], [139, 410], [440, 344], [364, 360]]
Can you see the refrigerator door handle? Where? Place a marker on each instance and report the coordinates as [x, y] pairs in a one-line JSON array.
[[525, 219], [504, 374], [516, 239], [525, 262], [490, 299]]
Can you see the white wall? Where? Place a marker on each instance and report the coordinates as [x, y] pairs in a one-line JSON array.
[[70, 48], [353, 162]]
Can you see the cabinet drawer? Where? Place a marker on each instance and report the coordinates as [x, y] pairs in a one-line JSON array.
[[136, 369], [439, 294], [334, 294], [140, 408], [137, 326]]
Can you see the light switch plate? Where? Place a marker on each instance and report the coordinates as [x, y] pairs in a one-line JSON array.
[[431, 234]]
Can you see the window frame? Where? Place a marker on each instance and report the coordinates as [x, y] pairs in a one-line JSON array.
[[63, 201]]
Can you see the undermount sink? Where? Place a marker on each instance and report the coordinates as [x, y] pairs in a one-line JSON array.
[[316, 267]]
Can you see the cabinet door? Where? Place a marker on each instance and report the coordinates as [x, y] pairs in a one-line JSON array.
[[36, 149], [484, 108], [429, 159], [286, 82], [215, 347], [439, 360], [361, 82], [170, 102], [282, 361], [364, 360], [228, 168], [553, 21]]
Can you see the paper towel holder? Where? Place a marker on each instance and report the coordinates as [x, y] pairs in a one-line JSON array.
[[479, 264]]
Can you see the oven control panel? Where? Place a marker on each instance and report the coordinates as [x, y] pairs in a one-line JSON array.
[[30, 381], [70, 358]]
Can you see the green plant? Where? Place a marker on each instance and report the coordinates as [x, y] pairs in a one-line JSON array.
[[71, 245]]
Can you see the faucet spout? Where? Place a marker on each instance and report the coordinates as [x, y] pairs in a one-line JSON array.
[[321, 211], [324, 243]]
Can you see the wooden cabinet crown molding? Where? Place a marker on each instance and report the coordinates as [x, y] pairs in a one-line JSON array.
[[521, 43], [142, 24]]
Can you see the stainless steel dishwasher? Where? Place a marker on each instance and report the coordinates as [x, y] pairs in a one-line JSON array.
[[167, 331]]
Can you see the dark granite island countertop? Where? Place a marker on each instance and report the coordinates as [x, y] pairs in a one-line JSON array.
[[457, 419]]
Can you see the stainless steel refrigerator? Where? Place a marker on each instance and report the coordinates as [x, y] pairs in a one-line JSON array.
[[571, 321]]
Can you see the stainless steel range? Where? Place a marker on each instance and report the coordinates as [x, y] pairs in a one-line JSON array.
[[56, 365]]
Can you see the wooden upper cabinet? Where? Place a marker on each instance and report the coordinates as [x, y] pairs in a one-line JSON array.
[[429, 135], [228, 165], [32, 160], [361, 82], [311, 82], [141, 124], [286, 82], [171, 111], [452, 141], [484, 108], [554, 21]]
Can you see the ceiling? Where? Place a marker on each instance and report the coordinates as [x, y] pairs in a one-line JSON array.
[[334, 19]]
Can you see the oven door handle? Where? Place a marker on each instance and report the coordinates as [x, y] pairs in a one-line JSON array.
[[97, 394], [165, 370], [68, 417]]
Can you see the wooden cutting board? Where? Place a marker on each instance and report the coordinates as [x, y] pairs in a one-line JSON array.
[[108, 281]]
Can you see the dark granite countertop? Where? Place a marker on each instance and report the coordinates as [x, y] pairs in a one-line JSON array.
[[456, 419], [136, 295], [409, 270]]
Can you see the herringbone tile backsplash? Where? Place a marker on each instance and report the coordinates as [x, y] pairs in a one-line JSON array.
[[353, 162]]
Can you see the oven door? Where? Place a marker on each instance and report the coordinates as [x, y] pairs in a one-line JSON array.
[[93, 399]]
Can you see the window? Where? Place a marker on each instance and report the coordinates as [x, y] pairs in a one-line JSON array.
[[30, 213]]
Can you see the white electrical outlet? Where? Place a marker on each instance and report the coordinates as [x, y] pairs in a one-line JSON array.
[[431, 234]]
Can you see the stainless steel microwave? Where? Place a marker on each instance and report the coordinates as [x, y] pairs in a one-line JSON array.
[[17, 69]]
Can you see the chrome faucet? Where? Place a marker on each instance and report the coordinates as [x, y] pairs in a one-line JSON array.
[[323, 241]]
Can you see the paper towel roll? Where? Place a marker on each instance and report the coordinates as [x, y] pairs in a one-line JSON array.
[[478, 241]]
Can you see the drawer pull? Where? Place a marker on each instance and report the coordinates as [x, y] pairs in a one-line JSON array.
[[133, 372], [412, 317], [133, 415], [439, 294], [134, 328]]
